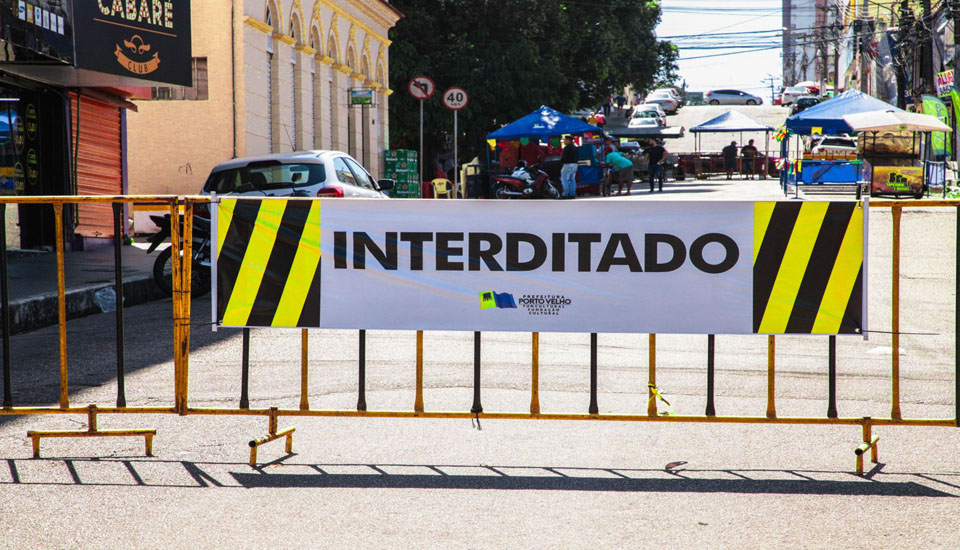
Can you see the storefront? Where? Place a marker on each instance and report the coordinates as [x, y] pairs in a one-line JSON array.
[[63, 67]]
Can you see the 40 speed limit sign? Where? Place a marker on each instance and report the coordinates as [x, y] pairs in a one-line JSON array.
[[455, 98]]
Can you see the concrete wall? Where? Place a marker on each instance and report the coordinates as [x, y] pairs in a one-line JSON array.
[[172, 145]]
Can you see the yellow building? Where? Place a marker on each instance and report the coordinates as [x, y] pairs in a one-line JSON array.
[[270, 76]]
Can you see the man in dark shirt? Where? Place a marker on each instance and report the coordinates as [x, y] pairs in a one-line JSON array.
[[568, 171], [656, 154], [749, 152], [729, 158]]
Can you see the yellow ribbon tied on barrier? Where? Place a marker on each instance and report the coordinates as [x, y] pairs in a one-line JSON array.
[[656, 395]]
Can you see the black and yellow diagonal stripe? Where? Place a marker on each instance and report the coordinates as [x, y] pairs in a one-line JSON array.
[[268, 262], [808, 268]]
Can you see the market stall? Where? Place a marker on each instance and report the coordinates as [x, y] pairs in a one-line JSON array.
[[535, 138], [703, 163], [804, 166], [894, 146], [641, 137]]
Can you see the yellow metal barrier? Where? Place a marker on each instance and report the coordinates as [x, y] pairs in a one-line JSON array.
[[181, 243]]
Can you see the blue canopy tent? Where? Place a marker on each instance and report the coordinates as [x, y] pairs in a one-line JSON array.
[[828, 116], [543, 123]]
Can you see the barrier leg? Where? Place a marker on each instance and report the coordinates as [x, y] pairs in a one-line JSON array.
[[956, 328], [92, 431], [535, 374], [594, 409], [418, 400], [477, 408], [245, 371], [272, 435], [652, 380], [118, 277], [362, 374], [895, 318], [61, 308], [7, 368], [771, 366], [711, 410], [832, 375], [304, 370], [869, 443]]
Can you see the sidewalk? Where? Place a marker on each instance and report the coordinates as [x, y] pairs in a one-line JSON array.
[[32, 284]]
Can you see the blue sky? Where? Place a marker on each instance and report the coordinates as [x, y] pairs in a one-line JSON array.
[[744, 71]]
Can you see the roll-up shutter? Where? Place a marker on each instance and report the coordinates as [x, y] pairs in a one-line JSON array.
[[99, 161]]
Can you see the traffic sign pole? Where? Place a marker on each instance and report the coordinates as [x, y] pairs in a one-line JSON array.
[[421, 142], [455, 99], [421, 88]]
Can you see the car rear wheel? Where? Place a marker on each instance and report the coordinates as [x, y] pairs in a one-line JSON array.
[[714, 102]]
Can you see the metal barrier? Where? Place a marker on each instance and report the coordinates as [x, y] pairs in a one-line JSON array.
[[181, 243]]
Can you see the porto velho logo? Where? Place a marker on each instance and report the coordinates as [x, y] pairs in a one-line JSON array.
[[496, 300]]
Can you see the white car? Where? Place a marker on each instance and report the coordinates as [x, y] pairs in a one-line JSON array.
[[673, 91], [640, 110], [645, 119], [731, 97], [301, 174], [835, 144], [792, 94], [666, 100]]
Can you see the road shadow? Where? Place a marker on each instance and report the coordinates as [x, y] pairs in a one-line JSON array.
[[282, 474]]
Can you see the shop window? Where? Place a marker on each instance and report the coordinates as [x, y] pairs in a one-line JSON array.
[[198, 92]]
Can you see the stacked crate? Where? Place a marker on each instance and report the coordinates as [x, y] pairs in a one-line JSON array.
[[401, 165]]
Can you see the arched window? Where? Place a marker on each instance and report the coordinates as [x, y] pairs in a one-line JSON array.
[[296, 85], [271, 82], [316, 99], [333, 81]]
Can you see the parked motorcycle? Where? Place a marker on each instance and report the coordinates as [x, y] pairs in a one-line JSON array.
[[524, 183], [163, 266]]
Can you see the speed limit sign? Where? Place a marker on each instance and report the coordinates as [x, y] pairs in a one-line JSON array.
[[421, 87], [455, 99]]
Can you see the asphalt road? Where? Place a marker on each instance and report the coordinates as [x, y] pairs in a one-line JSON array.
[[401, 483]]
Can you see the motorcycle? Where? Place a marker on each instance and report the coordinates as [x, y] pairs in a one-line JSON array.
[[522, 185], [163, 266]]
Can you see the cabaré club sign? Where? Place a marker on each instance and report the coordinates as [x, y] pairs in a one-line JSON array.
[[147, 39]]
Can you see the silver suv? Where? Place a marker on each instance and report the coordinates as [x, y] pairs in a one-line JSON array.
[[301, 174]]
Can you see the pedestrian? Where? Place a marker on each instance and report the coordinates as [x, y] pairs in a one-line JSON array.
[[607, 106], [621, 101], [592, 119], [729, 158], [601, 119], [656, 155], [622, 170], [568, 171], [749, 152]]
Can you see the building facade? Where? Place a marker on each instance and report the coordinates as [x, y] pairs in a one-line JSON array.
[[809, 40], [270, 76]]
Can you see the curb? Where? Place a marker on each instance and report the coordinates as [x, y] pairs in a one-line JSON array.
[[42, 311]]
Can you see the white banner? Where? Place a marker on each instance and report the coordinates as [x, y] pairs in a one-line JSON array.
[[584, 266]]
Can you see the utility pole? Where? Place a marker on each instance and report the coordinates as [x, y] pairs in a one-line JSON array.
[[904, 56], [926, 48], [837, 31], [821, 25]]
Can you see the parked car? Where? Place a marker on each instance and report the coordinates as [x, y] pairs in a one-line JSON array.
[[666, 100], [792, 93], [302, 173], [835, 144], [803, 103], [732, 97], [645, 119], [651, 108], [676, 94]]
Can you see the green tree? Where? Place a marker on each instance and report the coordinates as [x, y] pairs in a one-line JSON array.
[[513, 56]]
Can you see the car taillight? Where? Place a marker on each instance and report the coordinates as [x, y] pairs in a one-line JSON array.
[[330, 191]]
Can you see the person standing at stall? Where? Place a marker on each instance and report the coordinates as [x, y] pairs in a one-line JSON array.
[[749, 152], [656, 154], [568, 172], [729, 158]]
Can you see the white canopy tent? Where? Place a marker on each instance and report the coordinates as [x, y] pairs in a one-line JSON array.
[[894, 121]]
